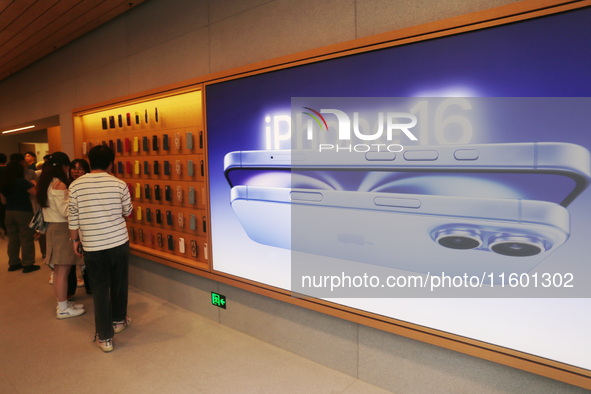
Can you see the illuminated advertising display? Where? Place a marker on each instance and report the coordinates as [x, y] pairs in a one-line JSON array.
[[442, 183]]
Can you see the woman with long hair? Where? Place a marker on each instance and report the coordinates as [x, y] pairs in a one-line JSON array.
[[15, 192], [52, 196]]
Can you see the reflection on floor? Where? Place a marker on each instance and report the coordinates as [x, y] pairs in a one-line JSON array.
[[167, 350]]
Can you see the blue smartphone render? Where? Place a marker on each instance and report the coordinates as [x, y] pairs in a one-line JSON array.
[[417, 233], [462, 209], [566, 168]]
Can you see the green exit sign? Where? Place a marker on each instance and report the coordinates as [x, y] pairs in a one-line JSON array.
[[218, 300]]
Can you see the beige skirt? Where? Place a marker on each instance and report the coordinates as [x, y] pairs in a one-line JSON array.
[[59, 247]]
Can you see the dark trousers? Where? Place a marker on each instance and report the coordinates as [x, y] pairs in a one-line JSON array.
[[73, 281], [21, 245], [2, 216], [108, 274]]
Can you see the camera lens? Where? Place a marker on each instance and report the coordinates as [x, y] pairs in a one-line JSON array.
[[517, 246], [458, 239]]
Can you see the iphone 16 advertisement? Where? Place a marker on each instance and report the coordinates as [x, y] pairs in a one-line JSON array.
[[442, 183], [366, 210]]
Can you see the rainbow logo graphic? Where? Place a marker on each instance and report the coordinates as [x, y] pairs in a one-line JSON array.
[[318, 118]]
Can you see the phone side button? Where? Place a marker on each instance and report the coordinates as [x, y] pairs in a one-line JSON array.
[[466, 154], [418, 155], [397, 202], [380, 156], [305, 196]]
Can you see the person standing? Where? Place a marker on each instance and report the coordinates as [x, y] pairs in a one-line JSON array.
[[78, 167], [31, 160], [16, 193], [3, 159], [98, 205], [52, 197]]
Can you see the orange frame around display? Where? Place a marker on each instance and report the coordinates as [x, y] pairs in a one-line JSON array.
[[88, 129], [159, 146]]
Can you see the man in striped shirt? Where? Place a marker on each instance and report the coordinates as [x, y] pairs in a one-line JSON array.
[[97, 207]]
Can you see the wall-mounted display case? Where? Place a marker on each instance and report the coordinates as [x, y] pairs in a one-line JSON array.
[[158, 142]]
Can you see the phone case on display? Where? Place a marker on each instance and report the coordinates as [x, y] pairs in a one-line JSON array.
[[146, 168], [181, 245], [170, 243], [201, 139], [158, 217], [167, 193], [120, 120], [157, 192], [192, 222], [191, 196], [104, 123], [148, 215], [165, 142], [166, 167], [138, 190], [136, 144], [177, 141], [181, 220], [119, 146], [156, 116], [179, 194], [169, 218], [189, 139], [156, 167], [160, 240], [140, 234], [147, 192], [111, 122], [145, 144], [194, 249], [155, 143], [204, 224], [136, 167], [128, 116], [190, 168], [127, 145], [137, 117]]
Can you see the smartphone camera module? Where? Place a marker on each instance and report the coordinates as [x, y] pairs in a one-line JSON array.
[[517, 246], [458, 238]]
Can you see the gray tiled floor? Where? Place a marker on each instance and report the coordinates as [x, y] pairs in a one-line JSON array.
[[168, 349]]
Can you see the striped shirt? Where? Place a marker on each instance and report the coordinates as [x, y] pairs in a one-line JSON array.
[[97, 207]]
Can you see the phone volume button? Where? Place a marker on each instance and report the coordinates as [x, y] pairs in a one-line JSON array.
[[397, 202], [466, 154], [305, 196], [380, 156], [420, 155]]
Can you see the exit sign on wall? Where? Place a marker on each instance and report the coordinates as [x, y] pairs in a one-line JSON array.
[[218, 300]]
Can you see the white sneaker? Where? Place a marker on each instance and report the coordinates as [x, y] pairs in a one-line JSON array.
[[70, 311], [121, 325], [105, 345], [72, 305]]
